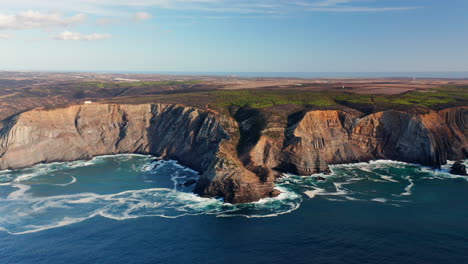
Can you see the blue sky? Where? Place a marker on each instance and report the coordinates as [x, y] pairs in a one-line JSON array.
[[234, 36]]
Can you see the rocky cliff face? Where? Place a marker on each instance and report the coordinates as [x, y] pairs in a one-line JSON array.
[[81, 132], [196, 138], [239, 159]]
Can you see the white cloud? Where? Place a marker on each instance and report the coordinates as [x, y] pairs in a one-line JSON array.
[[140, 16], [68, 35], [35, 19], [5, 36]]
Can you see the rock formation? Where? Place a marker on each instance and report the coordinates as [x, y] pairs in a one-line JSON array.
[[458, 168], [239, 158]]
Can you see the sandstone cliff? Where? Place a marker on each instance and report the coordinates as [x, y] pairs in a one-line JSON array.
[[239, 158]]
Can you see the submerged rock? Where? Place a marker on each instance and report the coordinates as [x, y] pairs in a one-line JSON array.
[[458, 168], [189, 183], [320, 178]]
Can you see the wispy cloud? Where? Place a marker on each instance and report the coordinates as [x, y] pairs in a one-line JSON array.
[[110, 12], [75, 36], [140, 16], [135, 17], [351, 9], [114, 7], [35, 19], [325, 3], [346, 6]]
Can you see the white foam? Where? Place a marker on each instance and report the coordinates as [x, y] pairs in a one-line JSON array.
[[122, 155], [351, 198], [2, 172], [28, 176], [22, 189], [372, 164], [408, 188], [161, 202], [81, 163], [68, 183], [339, 189], [37, 228], [379, 200], [313, 193], [388, 178]]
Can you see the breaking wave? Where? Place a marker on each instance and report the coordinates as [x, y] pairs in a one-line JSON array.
[[25, 209], [123, 187], [382, 181]]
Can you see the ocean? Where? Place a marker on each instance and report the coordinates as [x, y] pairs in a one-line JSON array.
[[304, 75], [313, 75], [136, 209]]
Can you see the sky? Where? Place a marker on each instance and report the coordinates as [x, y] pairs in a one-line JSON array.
[[234, 35]]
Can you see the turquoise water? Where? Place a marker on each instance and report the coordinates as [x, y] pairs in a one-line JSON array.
[[136, 209]]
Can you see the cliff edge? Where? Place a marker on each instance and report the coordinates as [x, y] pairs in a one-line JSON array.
[[239, 158]]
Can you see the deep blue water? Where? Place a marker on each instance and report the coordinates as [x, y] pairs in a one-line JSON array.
[[450, 75], [133, 209]]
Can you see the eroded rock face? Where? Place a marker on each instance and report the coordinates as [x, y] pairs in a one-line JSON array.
[[323, 137], [81, 132], [238, 159], [319, 139], [194, 137]]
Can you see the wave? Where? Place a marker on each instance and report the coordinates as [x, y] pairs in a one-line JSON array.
[[379, 200], [408, 188], [386, 182], [57, 211], [21, 212], [364, 181], [372, 164]]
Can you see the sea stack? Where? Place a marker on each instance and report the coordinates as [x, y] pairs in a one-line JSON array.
[[458, 168]]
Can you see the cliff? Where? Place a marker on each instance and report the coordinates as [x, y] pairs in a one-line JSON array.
[[239, 158]]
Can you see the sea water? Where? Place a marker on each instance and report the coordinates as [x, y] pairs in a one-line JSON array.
[[138, 209]]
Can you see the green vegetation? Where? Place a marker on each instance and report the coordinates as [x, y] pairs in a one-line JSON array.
[[256, 98], [262, 99], [439, 96]]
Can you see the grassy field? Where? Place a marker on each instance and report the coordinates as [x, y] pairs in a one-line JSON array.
[[261, 99], [222, 99]]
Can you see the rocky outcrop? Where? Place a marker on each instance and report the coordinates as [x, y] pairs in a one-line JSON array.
[[238, 158], [458, 168]]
